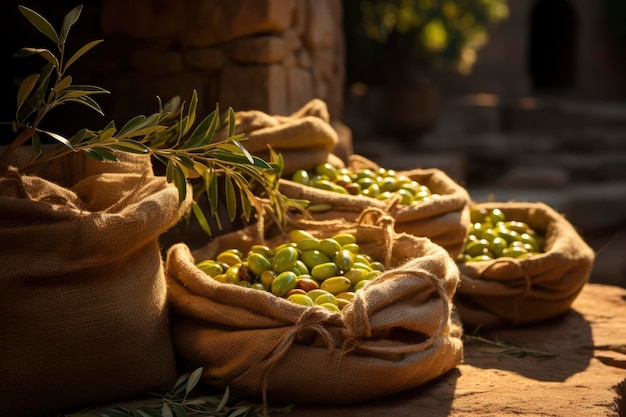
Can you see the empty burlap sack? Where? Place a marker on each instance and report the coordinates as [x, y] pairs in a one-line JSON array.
[[396, 335], [304, 138], [83, 316], [513, 292], [445, 220]]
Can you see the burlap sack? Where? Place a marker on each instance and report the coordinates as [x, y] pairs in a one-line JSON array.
[[396, 335], [83, 316], [514, 292], [445, 220], [304, 138]]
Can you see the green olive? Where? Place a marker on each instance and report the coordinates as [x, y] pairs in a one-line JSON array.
[[344, 260], [230, 258], [359, 285], [232, 274], [312, 258], [478, 214], [210, 267], [336, 285], [296, 235], [352, 247], [344, 238], [325, 298], [385, 195], [519, 227], [301, 299], [300, 268], [267, 277], [257, 263], [329, 247], [476, 247], [301, 176], [283, 283], [331, 307], [285, 259], [313, 294], [263, 250], [361, 265], [406, 197], [498, 245], [389, 184], [324, 271], [326, 170], [497, 216], [514, 252]]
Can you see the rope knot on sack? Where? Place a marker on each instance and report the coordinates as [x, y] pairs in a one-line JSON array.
[[311, 319], [358, 332], [379, 217]]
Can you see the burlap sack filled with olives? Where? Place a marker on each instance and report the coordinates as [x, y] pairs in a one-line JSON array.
[[438, 207], [304, 138], [83, 316], [536, 281], [397, 328]]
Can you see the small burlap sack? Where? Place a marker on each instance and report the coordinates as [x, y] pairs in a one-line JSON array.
[[396, 335], [305, 138], [514, 292], [445, 220], [83, 316]]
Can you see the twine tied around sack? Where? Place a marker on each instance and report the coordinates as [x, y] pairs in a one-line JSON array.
[[527, 282], [309, 320], [361, 328], [384, 219]]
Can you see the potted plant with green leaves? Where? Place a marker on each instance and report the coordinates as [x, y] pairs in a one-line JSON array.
[[83, 298]]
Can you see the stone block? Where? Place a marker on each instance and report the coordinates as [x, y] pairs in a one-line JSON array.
[[204, 58], [299, 88], [320, 26], [157, 62], [142, 19], [259, 50], [218, 21], [254, 87]]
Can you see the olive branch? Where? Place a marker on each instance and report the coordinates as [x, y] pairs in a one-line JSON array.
[[185, 399], [168, 136], [501, 347]]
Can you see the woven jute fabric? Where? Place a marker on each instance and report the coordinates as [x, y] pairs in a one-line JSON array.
[[397, 334], [444, 220], [83, 312], [304, 138], [514, 292]]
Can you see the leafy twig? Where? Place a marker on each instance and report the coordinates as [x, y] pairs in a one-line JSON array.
[[170, 136], [499, 347], [179, 403]]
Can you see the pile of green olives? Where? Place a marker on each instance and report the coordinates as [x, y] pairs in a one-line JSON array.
[[306, 270], [379, 183], [492, 236]]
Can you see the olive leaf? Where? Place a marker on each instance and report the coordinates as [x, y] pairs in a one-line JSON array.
[[180, 401], [499, 347], [41, 23], [170, 136]]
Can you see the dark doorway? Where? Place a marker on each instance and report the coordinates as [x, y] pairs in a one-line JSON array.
[[552, 46]]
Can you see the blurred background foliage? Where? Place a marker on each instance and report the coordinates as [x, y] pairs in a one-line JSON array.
[[397, 40]]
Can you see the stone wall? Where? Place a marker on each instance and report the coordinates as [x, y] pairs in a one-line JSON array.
[[268, 55]]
